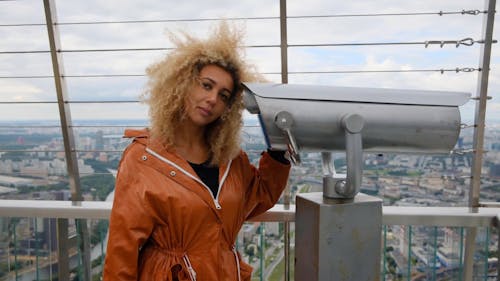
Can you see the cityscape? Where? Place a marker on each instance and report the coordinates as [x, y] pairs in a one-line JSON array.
[[32, 166]]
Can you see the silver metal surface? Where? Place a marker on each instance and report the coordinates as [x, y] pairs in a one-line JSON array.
[[333, 186], [330, 177], [68, 140], [497, 223], [439, 216], [284, 80], [62, 99], [352, 125], [283, 42], [357, 94], [284, 121], [55, 209], [102, 210], [327, 164], [62, 250], [400, 128], [392, 215], [348, 185], [338, 240], [489, 204], [480, 111]]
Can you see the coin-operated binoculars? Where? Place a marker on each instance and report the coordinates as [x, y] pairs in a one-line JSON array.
[[355, 120]]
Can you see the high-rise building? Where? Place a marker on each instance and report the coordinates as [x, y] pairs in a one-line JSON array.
[[99, 140]]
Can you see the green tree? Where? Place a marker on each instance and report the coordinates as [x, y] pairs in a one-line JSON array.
[[102, 183]]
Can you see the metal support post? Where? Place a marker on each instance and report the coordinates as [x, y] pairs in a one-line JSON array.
[[338, 239], [497, 224], [283, 42], [262, 251], [62, 250], [84, 245], [68, 138], [479, 125], [284, 80]]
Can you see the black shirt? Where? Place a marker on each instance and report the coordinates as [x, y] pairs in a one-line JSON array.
[[209, 175]]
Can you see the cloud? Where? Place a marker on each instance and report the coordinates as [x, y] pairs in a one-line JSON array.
[[22, 91], [259, 32]]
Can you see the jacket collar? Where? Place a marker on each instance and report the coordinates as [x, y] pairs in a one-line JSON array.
[[143, 136], [183, 172]]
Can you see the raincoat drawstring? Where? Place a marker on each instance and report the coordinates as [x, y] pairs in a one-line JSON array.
[[237, 262], [192, 273]]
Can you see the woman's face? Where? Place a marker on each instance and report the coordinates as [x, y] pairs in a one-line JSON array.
[[210, 96]]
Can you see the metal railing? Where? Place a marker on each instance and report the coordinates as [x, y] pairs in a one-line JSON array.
[[449, 217], [392, 215]]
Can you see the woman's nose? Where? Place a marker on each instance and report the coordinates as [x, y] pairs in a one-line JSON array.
[[212, 97]]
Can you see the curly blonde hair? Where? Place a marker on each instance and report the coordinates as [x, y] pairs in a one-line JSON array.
[[171, 78]]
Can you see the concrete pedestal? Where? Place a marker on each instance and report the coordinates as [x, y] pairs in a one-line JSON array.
[[337, 240]]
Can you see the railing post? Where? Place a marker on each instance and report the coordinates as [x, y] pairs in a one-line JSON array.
[[284, 80], [36, 249], [434, 254], [283, 42], [408, 268], [384, 253], [62, 250], [478, 139], [84, 245], [262, 251], [68, 139], [15, 252], [461, 257], [486, 248], [497, 225]]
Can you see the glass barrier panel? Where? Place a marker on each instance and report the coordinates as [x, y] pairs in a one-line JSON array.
[[28, 249], [97, 241], [435, 253], [262, 246], [482, 254]]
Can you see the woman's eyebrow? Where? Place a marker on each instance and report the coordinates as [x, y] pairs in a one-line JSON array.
[[210, 79], [214, 82]]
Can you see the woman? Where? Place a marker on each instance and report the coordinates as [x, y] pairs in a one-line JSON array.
[[185, 188]]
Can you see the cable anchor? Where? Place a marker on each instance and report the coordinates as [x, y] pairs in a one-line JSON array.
[[471, 12], [462, 151], [466, 41], [465, 69], [457, 43], [465, 126]]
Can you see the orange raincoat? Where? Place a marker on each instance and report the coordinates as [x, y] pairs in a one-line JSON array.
[[165, 223]]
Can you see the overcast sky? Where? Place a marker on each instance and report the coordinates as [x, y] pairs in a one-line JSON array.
[[333, 30]]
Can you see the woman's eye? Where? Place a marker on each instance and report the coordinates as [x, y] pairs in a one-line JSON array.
[[206, 86], [225, 96]]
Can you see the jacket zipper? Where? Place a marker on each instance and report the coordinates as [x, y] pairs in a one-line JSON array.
[[215, 199]]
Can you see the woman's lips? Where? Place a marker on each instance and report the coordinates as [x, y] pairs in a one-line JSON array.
[[205, 111]]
